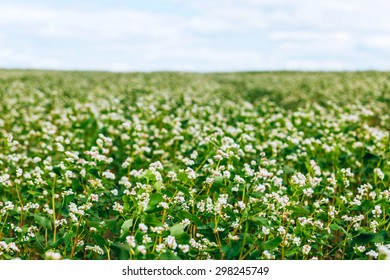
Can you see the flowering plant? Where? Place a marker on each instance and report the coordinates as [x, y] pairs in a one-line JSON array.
[[191, 166]]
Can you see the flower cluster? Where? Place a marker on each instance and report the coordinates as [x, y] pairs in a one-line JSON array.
[[186, 166]]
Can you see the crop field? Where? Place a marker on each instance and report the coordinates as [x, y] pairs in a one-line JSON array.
[[274, 165]]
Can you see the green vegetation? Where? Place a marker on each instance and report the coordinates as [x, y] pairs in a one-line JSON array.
[[194, 166]]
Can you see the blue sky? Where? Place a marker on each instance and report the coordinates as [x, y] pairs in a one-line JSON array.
[[201, 35]]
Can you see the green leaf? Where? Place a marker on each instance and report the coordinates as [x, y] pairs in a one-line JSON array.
[[99, 240], [298, 210], [57, 170], [234, 250], [169, 256], [148, 174], [155, 199], [298, 229], [288, 170], [261, 220], [334, 227], [176, 230], [364, 238], [368, 237], [182, 214], [43, 221], [57, 243], [183, 239], [225, 248], [126, 226], [68, 199], [151, 220], [183, 189], [182, 177], [218, 180], [273, 243], [291, 252], [94, 172], [380, 237], [68, 238], [157, 186]]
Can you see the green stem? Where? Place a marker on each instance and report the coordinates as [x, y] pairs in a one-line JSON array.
[[54, 210], [244, 240], [5, 220], [21, 204]]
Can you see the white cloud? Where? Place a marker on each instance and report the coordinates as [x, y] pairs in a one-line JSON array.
[[314, 65], [226, 18], [379, 42], [27, 60], [110, 23], [216, 35], [311, 36], [201, 58]]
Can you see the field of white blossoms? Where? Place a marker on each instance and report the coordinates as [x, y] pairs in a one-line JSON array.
[[194, 166]]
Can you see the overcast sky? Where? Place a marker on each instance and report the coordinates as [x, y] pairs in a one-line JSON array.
[[195, 35]]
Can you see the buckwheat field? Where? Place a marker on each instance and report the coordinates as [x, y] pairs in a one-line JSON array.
[[194, 166]]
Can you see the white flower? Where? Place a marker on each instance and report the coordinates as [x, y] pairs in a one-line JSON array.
[[146, 239], [306, 249], [194, 155], [308, 192], [108, 174], [209, 181], [299, 179], [373, 254], [241, 205], [131, 241], [156, 166], [233, 237], [142, 249], [51, 255], [188, 161], [95, 249], [171, 242], [238, 179], [160, 248], [60, 148], [172, 175], [185, 223], [143, 227], [260, 188], [267, 255], [117, 207], [19, 172], [377, 211], [278, 182], [332, 211], [281, 230], [163, 205], [379, 173], [190, 173], [184, 248], [361, 249], [383, 250]]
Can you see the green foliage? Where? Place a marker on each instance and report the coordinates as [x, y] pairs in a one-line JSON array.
[[284, 165]]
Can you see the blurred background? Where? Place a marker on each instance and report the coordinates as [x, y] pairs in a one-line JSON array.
[[197, 36]]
